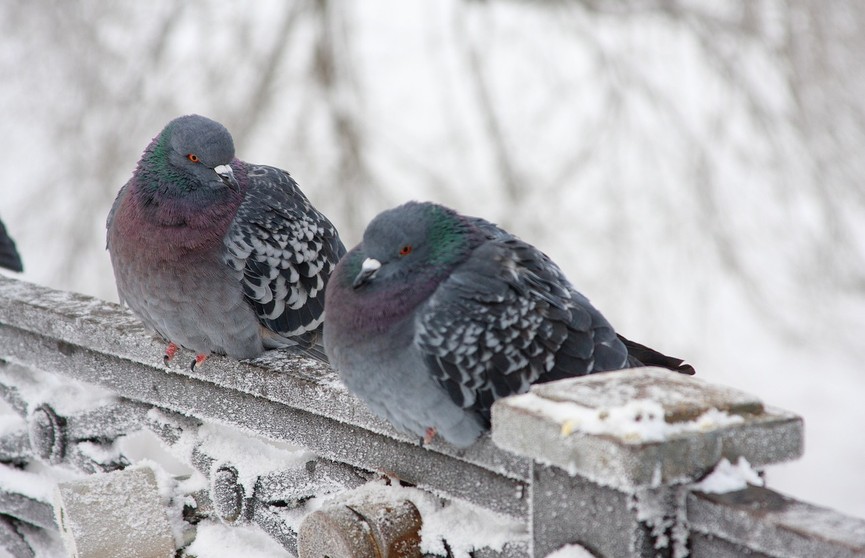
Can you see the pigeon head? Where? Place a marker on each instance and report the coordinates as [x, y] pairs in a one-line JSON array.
[[414, 239], [191, 154]]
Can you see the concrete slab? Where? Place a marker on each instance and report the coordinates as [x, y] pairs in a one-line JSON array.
[[643, 427]]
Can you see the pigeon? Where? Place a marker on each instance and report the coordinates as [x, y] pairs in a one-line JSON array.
[[9, 257], [435, 315], [217, 255]]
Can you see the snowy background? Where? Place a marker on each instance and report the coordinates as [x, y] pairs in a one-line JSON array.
[[695, 168]]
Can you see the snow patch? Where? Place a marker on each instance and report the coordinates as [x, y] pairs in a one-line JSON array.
[[729, 478], [638, 420], [144, 445], [214, 540], [32, 485], [571, 551], [67, 397], [252, 455], [10, 423], [100, 453], [37, 480]]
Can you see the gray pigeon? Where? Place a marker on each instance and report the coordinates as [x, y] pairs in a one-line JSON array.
[[9, 257], [436, 315], [218, 255]]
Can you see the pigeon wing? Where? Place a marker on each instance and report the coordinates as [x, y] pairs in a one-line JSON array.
[[283, 251], [504, 319]]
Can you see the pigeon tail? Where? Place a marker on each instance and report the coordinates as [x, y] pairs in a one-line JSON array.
[[641, 355]]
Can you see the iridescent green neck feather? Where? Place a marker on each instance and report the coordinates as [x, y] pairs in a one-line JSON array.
[[156, 175], [449, 236]]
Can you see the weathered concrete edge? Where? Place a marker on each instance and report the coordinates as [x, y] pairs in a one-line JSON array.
[[766, 521], [681, 459]]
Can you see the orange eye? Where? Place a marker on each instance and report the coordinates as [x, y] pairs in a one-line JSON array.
[[193, 157], [405, 250]]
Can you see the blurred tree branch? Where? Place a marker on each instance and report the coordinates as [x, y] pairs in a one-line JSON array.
[[541, 102]]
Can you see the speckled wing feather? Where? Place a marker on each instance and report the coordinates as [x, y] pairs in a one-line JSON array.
[[283, 250], [507, 318]]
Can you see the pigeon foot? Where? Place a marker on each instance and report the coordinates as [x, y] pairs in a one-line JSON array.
[[199, 360], [170, 351], [428, 437]]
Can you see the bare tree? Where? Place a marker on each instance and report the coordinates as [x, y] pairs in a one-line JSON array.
[[545, 108]]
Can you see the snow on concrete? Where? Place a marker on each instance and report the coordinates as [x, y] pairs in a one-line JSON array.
[[32, 485], [99, 453], [728, 477], [636, 421], [144, 445], [36, 480], [215, 540], [571, 551], [252, 455], [668, 530], [10, 423], [66, 396]]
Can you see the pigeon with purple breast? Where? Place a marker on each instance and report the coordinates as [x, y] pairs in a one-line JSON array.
[[218, 255], [9, 257], [435, 315]]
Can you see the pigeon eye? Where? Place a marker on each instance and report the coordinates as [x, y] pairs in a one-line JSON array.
[[405, 250], [193, 157]]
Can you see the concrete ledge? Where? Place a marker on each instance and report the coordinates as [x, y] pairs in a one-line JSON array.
[[642, 427], [714, 547], [764, 521]]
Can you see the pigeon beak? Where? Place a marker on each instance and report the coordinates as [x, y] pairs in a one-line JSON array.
[[227, 176], [367, 270]]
